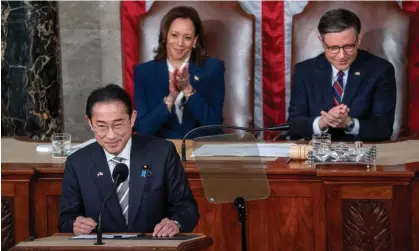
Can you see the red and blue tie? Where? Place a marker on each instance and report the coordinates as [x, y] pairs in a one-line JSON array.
[[338, 89]]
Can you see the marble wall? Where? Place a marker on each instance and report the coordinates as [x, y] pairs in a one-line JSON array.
[[30, 69], [47, 78], [90, 38]]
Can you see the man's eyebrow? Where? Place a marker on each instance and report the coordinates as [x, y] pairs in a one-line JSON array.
[[116, 120]]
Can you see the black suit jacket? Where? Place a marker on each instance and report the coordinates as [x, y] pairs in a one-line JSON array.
[[164, 193], [370, 93]]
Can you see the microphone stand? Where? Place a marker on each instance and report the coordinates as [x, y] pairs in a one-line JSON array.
[[99, 221], [284, 127], [240, 205]]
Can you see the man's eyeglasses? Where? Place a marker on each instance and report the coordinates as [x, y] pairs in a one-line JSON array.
[[346, 48], [118, 128]]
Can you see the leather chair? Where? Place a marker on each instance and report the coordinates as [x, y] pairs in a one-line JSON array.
[[385, 30], [229, 34]]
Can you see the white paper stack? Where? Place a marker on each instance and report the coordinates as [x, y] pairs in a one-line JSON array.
[[104, 236]]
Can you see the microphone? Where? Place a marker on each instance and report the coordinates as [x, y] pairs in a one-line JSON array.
[[119, 175], [284, 127]]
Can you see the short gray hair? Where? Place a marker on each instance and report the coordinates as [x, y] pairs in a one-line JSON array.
[[338, 20]]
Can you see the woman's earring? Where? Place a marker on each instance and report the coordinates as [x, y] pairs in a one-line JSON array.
[[194, 46]]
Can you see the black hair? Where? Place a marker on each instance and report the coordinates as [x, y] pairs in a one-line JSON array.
[[198, 53], [111, 92], [338, 20]]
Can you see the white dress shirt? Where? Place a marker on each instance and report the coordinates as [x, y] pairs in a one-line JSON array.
[[178, 102], [125, 154], [316, 128]]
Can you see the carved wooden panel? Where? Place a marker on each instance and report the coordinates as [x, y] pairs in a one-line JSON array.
[[15, 178], [7, 230], [366, 225]]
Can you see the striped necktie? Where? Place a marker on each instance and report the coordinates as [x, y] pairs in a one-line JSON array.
[[122, 191], [338, 89]]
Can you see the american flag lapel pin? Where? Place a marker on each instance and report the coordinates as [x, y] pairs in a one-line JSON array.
[[99, 174], [196, 78], [357, 73]]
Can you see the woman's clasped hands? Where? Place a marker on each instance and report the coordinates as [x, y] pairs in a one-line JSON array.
[[179, 81]]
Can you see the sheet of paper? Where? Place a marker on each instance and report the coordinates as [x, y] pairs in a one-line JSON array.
[[244, 150], [397, 153], [104, 236]]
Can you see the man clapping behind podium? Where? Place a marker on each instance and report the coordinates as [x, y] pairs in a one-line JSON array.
[[155, 198], [345, 91]]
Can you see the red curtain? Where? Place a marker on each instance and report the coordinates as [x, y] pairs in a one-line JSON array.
[[273, 65], [412, 7], [130, 11]]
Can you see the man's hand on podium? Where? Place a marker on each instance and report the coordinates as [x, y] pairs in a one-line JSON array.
[[83, 225], [166, 228]]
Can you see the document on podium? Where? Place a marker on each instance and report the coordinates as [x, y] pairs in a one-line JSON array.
[[105, 236], [141, 236], [244, 150]]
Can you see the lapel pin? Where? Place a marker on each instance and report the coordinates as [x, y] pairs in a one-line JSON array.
[[357, 73], [146, 171], [196, 78], [99, 174]]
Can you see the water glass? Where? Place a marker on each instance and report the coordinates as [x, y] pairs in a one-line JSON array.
[[321, 142], [61, 144]]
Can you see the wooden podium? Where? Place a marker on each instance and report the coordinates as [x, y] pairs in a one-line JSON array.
[[63, 242]]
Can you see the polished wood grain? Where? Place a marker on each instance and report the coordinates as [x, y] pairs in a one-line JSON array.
[[287, 226], [220, 222], [47, 196], [401, 218], [334, 218], [319, 214], [285, 220], [362, 192]]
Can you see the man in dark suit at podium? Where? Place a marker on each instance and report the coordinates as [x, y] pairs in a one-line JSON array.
[[344, 91], [156, 196]]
